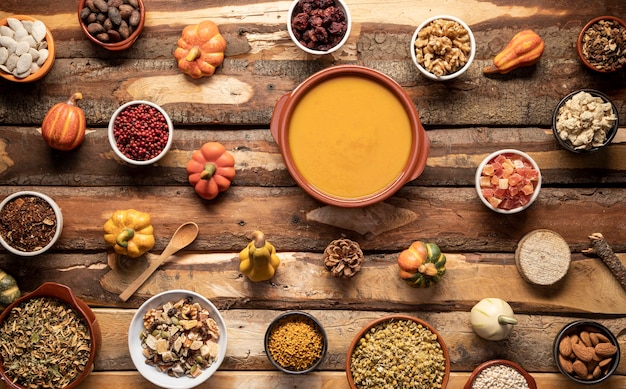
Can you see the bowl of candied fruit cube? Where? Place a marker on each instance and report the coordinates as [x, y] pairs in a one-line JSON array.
[[508, 181]]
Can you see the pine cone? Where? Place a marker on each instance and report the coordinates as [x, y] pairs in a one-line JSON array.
[[343, 258]]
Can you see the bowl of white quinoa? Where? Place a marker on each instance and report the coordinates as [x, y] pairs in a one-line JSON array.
[[500, 374]]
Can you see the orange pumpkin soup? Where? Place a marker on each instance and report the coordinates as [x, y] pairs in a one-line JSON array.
[[350, 137]]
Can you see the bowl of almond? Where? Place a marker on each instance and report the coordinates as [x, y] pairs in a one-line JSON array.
[[586, 352]]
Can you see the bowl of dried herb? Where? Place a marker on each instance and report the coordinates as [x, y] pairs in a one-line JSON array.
[[601, 44]]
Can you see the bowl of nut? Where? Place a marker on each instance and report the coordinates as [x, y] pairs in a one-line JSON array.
[[27, 49], [115, 24], [177, 339], [398, 351], [26, 335], [586, 352], [295, 342], [443, 47], [500, 373], [140, 132], [601, 44], [319, 27], [585, 120]]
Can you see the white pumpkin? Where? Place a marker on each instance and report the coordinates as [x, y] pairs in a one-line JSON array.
[[492, 318]]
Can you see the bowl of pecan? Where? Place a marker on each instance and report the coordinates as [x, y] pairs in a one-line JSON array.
[[443, 47], [30, 223], [601, 45], [586, 352], [114, 24], [140, 132], [319, 27]]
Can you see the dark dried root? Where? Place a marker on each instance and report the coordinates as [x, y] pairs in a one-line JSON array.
[[601, 248]]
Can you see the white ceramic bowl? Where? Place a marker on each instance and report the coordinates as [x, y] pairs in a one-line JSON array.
[[341, 4], [150, 372], [450, 76], [113, 142], [57, 213], [537, 184]]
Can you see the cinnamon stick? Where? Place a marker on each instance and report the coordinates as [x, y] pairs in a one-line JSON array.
[[600, 247]]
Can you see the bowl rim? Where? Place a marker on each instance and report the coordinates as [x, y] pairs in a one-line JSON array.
[[447, 76], [571, 327], [532, 384], [47, 65], [581, 36], [134, 343], [121, 45], [488, 158], [57, 213], [65, 294], [113, 143], [301, 314], [343, 40], [610, 133], [391, 317]]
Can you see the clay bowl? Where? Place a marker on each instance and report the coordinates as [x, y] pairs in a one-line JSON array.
[[581, 46], [115, 46], [64, 294], [500, 362], [295, 8], [384, 322], [45, 67], [331, 133]]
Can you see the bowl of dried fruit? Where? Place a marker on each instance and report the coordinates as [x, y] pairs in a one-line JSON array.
[[585, 120], [586, 352], [25, 336], [500, 373], [508, 181], [115, 24], [319, 27], [398, 351], [27, 49], [30, 223], [601, 44], [177, 339], [295, 342], [140, 132], [443, 47]]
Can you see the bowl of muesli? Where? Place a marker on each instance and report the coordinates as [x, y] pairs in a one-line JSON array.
[[177, 339]]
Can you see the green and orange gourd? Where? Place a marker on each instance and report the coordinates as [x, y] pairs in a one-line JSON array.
[[422, 264]]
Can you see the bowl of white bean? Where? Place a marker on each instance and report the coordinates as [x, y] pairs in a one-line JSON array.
[[500, 373]]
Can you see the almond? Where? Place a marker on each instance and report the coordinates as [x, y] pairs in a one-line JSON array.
[[604, 350], [566, 364], [602, 338], [565, 346], [580, 369], [594, 338], [582, 352], [596, 372], [584, 337], [605, 362]]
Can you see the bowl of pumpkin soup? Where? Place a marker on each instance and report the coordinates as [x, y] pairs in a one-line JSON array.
[[350, 136]]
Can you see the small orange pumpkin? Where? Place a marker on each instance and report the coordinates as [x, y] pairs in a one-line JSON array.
[[64, 126], [200, 49], [211, 170]]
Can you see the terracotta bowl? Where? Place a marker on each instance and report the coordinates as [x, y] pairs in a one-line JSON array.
[[351, 145], [389, 319], [116, 46], [296, 316], [64, 294], [47, 65], [500, 362], [580, 44], [294, 8]]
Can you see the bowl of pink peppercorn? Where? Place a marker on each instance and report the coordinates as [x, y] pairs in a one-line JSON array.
[[140, 132]]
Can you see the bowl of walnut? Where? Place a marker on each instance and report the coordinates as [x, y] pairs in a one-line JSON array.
[[443, 47], [601, 44], [586, 352]]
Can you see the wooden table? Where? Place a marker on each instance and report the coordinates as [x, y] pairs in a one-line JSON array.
[[466, 119]]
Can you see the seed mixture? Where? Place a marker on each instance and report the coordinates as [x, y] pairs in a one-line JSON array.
[[398, 354], [604, 45], [141, 132], [500, 377], [44, 344], [295, 343], [27, 223]]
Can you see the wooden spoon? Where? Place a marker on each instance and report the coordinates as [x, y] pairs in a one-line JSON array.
[[184, 235]]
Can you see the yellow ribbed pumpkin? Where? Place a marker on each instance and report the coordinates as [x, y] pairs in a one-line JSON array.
[[64, 126]]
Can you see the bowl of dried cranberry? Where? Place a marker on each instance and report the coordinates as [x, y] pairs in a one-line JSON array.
[[140, 132], [508, 181], [319, 26]]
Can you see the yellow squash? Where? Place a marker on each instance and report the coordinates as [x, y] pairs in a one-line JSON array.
[[258, 261], [130, 232]]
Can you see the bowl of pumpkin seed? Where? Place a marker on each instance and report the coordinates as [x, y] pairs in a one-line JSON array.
[[398, 351]]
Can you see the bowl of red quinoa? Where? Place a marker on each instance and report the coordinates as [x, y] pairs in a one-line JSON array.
[[30, 223], [319, 27], [601, 44], [140, 132], [295, 342], [500, 373]]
